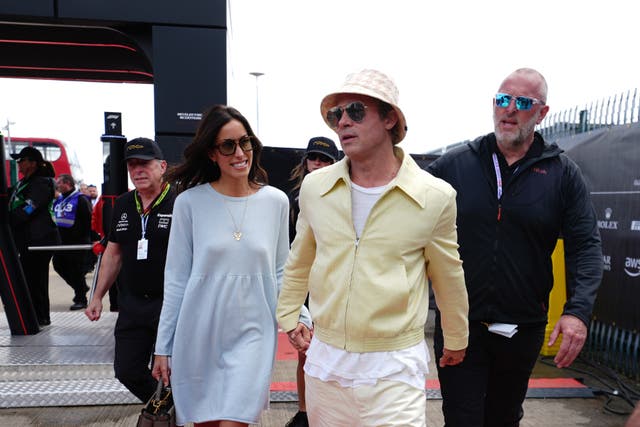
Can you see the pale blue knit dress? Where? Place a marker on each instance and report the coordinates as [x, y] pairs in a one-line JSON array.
[[218, 314]]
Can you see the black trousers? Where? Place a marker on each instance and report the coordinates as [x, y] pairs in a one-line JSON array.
[[35, 265], [135, 335], [488, 388], [70, 265]]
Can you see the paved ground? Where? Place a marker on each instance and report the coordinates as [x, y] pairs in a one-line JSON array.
[[538, 412]]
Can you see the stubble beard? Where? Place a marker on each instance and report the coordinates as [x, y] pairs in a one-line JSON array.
[[515, 139]]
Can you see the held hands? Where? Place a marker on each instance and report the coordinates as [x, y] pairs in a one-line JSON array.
[[574, 334], [451, 357], [161, 369], [300, 337]]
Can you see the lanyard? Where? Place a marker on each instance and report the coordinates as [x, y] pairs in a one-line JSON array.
[[144, 213], [496, 166], [16, 199]]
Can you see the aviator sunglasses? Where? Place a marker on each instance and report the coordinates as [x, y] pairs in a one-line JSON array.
[[355, 111], [523, 103], [228, 146]]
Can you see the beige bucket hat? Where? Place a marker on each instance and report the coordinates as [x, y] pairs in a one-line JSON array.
[[371, 83]]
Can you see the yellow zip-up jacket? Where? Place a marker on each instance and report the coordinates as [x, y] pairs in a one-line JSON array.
[[372, 294]]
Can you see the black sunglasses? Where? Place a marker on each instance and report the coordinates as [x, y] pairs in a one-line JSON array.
[[319, 156], [355, 111], [228, 146]]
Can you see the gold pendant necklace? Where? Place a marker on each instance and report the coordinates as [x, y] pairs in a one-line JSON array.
[[237, 231]]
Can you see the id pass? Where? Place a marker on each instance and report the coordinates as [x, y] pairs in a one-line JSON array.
[[143, 246]]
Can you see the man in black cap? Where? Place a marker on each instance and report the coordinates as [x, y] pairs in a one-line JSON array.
[[136, 254]]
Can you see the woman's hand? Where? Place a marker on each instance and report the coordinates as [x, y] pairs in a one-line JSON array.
[[161, 369], [300, 337]]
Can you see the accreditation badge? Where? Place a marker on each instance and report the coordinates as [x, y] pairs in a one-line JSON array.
[[143, 247]]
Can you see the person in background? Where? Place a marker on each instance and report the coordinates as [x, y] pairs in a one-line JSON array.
[[373, 228], [84, 189], [517, 195], [320, 152], [72, 215], [32, 225], [92, 191], [135, 255], [227, 250], [91, 258]]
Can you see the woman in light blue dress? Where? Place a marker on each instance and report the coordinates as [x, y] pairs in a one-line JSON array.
[[227, 248]]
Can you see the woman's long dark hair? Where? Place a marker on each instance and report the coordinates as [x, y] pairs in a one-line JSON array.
[[197, 168], [298, 173]]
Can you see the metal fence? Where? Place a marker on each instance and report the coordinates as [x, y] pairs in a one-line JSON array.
[[617, 348], [619, 109]]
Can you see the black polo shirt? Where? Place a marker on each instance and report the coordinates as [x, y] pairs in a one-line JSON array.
[[141, 277]]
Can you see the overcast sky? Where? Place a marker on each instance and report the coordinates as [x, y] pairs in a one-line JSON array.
[[447, 58]]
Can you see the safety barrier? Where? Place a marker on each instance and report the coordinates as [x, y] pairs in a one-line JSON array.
[[614, 347]]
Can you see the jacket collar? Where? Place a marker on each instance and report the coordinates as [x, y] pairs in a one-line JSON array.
[[548, 150], [406, 179]]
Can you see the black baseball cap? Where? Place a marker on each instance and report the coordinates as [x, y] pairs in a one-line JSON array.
[[142, 148], [323, 145], [30, 153]]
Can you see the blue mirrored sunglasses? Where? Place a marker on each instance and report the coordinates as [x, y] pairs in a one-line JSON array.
[[523, 103]]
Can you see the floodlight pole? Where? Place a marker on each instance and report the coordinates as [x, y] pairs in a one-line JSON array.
[[8, 129]]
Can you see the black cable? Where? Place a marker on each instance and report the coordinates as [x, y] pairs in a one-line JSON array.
[[621, 390]]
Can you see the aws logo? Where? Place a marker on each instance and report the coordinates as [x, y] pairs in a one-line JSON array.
[[632, 266]]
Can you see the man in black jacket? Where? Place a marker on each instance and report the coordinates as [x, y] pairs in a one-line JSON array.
[[516, 196]]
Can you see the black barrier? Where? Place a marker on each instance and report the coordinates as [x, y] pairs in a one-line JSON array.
[[114, 168], [609, 160], [16, 299], [278, 162]]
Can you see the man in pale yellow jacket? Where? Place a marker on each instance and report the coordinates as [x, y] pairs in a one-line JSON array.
[[373, 229]]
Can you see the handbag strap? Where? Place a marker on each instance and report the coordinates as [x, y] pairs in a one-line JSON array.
[[158, 401]]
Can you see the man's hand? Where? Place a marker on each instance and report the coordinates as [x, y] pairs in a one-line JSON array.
[[451, 357], [574, 334], [300, 337], [94, 309]]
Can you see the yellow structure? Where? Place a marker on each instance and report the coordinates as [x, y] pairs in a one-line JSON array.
[[557, 299]]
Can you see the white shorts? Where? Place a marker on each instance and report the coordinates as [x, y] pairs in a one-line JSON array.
[[387, 403]]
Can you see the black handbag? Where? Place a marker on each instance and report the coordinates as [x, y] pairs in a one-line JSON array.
[[159, 410]]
